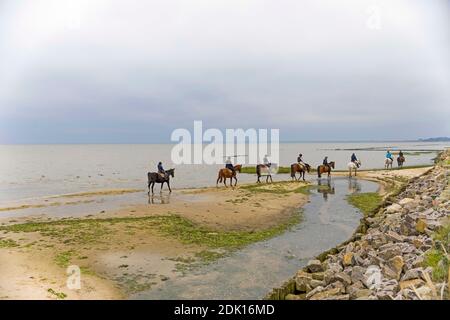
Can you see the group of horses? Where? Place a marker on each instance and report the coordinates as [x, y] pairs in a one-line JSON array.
[[265, 170], [388, 162]]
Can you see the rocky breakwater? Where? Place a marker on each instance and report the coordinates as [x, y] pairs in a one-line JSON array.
[[387, 261]]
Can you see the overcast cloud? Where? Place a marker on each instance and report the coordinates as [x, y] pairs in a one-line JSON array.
[[94, 71]]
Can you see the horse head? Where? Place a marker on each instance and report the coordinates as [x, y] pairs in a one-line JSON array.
[[171, 172], [331, 164], [308, 167], [238, 167]]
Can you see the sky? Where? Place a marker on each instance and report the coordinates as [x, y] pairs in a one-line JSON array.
[[116, 71]]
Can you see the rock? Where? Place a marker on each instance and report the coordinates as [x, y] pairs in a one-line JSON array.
[[424, 293], [326, 294], [393, 208], [410, 283], [387, 290], [314, 266], [394, 267], [339, 297], [316, 283], [348, 260], [303, 281], [394, 236], [421, 225], [404, 201], [342, 277], [291, 296], [318, 275], [314, 291], [357, 274]]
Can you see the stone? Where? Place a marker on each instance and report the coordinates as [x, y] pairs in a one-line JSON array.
[[396, 265], [394, 236], [421, 225], [410, 283], [316, 283], [326, 294], [318, 275], [314, 266], [406, 201], [291, 296], [342, 277], [339, 297], [314, 291], [348, 259], [393, 208], [303, 281], [357, 274]]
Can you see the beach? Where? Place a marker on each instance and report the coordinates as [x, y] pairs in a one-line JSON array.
[[128, 244]]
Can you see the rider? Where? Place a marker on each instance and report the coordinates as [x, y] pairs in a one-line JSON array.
[[300, 160], [400, 154], [229, 165], [325, 161], [354, 159], [389, 155], [161, 170], [266, 161]]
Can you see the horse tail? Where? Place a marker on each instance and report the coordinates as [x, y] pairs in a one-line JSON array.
[[258, 170], [318, 171], [292, 170]]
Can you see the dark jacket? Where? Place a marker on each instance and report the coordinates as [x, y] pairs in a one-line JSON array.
[[161, 169]]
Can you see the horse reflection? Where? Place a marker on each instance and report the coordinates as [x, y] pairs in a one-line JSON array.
[[325, 188], [159, 199], [353, 185]]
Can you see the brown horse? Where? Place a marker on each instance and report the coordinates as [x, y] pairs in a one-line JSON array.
[[263, 169], [296, 167], [227, 173], [325, 169], [400, 161]]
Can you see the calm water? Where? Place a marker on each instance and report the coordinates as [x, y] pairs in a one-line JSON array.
[[33, 171], [252, 272]]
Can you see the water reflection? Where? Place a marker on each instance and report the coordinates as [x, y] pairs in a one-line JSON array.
[[325, 187], [159, 199], [353, 185]]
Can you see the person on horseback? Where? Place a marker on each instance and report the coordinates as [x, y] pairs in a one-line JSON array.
[[400, 154], [354, 159], [389, 155], [325, 162], [229, 165], [300, 161], [266, 161], [161, 170]]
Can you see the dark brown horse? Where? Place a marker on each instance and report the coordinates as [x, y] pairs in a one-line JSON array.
[[325, 169], [155, 177], [400, 161], [263, 169], [296, 167], [227, 173]]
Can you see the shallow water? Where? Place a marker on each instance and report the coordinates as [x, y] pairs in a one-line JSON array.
[[33, 171], [252, 272]]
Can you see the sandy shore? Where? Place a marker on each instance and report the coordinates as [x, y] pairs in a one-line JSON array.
[[136, 247]]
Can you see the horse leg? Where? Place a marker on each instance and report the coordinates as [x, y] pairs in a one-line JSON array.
[[153, 184], [168, 184], [162, 185]]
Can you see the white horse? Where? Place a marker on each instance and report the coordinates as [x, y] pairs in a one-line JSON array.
[[352, 166], [388, 163]]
